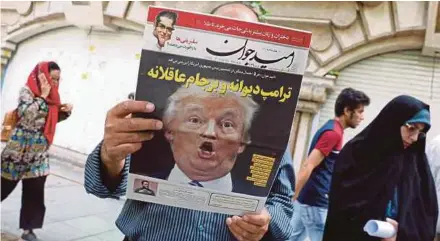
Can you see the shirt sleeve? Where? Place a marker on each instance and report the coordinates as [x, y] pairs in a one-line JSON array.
[[279, 202], [29, 105], [327, 142], [94, 176]]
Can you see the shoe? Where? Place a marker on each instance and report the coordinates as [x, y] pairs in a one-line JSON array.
[[29, 236]]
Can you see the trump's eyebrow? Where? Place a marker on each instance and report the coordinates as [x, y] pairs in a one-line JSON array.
[[192, 107], [230, 112]]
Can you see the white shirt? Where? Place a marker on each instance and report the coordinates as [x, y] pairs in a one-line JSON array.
[[152, 44], [433, 154], [223, 184], [158, 48]]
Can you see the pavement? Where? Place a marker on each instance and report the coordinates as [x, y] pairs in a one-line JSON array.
[[71, 213]]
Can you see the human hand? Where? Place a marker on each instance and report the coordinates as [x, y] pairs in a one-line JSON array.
[[123, 135], [66, 107], [395, 225], [250, 227], [44, 85]]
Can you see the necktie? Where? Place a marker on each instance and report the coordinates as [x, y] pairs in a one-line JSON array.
[[195, 183]]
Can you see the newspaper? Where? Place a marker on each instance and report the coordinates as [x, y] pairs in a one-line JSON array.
[[226, 91]]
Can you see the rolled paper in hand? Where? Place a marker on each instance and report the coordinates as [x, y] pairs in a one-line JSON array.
[[380, 229]]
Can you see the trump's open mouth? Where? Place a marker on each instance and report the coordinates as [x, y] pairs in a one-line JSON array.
[[206, 150]]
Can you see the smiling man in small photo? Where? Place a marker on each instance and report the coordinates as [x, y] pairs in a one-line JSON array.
[[164, 27], [207, 131]]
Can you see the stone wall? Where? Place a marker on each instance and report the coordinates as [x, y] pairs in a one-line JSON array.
[[343, 33]]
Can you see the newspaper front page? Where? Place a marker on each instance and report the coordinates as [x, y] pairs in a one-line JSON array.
[[226, 91]]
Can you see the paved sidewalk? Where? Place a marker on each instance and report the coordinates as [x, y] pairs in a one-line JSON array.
[[71, 214]]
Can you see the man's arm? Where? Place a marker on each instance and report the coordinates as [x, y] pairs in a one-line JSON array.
[[326, 143], [279, 202], [98, 182], [314, 159]]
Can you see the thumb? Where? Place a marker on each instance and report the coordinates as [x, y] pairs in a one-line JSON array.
[[392, 222]]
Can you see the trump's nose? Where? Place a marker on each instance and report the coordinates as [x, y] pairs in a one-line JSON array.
[[210, 130]]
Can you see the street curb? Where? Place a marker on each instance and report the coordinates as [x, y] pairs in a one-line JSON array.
[[66, 155], [6, 236]]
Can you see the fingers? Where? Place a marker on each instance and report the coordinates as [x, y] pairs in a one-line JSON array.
[[244, 231], [42, 79], [119, 152], [248, 227], [235, 230], [133, 124], [392, 222], [258, 219], [44, 84], [255, 219], [135, 137], [123, 135], [130, 106], [66, 107], [127, 148]]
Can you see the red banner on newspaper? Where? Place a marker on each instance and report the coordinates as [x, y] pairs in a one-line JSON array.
[[238, 28]]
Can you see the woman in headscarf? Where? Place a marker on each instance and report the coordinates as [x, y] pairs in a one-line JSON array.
[[25, 156], [383, 174]]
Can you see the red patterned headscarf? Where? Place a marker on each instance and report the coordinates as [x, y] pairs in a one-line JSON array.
[[53, 99]]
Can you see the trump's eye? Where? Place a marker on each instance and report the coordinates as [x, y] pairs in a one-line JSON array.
[[194, 120], [227, 124]]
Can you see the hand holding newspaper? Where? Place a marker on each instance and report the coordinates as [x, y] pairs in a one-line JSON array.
[[380, 229]]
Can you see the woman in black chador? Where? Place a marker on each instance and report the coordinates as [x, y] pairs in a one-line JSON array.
[[383, 174]]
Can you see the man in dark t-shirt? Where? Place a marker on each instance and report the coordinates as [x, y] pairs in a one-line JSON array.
[[314, 178]]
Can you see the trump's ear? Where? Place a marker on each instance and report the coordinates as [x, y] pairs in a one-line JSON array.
[[241, 148], [169, 135]]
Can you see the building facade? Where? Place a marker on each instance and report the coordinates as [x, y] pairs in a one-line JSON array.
[[382, 48]]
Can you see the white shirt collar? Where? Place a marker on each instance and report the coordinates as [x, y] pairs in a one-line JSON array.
[[158, 47], [223, 184]]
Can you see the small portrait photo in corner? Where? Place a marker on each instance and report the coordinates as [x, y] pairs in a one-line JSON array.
[[164, 28], [145, 187]]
